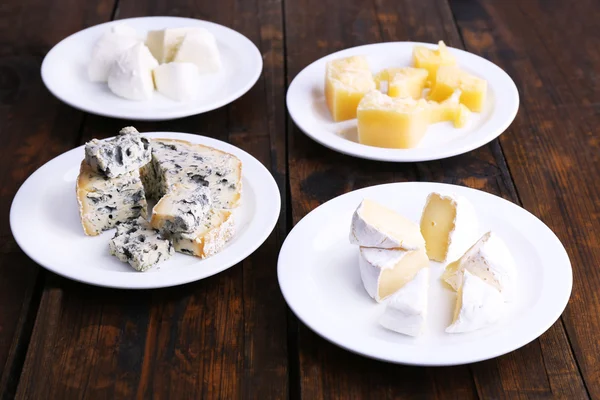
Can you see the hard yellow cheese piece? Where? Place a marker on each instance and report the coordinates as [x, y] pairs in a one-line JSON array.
[[346, 82], [403, 82], [449, 111], [431, 60], [451, 78]]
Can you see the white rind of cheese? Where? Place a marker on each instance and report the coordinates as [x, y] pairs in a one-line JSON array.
[[130, 76], [402, 266], [209, 238], [108, 48], [478, 305], [374, 225], [200, 48], [466, 225], [177, 81], [406, 310], [490, 260]]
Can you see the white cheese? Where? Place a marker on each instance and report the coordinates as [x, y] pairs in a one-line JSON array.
[[178, 81], [108, 48], [199, 47], [164, 43], [406, 309], [130, 76], [209, 238], [490, 260], [181, 210], [478, 305], [385, 271], [374, 225]]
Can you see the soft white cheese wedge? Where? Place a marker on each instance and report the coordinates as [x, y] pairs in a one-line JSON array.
[[478, 305], [490, 260], [385, 271], [406, 310], [164, 43], [178, 81], [449, 226], [131, 75], [374, 225], [200, 47], [108, 48]]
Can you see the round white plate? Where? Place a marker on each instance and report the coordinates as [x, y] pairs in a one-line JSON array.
[[307, 107], [44, 218], [320, 280], [64, 72]]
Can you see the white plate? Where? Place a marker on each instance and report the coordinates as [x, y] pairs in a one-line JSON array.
[[320, 280], [44, 218], [307, 107], [64, 72]]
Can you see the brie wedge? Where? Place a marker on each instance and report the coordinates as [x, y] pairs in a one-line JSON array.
[[478, 305], [449, 226], [490, 260], [385, 271], [130, 76], [199, 47], [178, 81], [108, 48], [406, 309], [374, 225]]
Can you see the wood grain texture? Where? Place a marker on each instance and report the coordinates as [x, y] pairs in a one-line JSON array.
[[551, 50], [222, 337]]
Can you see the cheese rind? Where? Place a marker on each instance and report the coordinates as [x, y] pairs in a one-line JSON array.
[[127, 152], [406, 309], [209, 238], [199, 47], [449, 225], [108, 48], [385, 271], [136, 243], [181, 210], [490, 260], [478, 305], [130, 76], [103, 202], [374, 225]]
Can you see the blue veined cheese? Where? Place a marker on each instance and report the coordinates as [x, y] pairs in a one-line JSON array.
[[138, 244], [127, 152], [177, 161], [181, 210], [103, 202], [209, 238]]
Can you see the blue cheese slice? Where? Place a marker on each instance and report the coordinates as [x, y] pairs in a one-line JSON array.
[[103, 202], [193, 165], [138, 244], [181, 210], [127, 152], [209, 238]]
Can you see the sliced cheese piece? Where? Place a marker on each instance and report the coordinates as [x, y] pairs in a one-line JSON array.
[[108, 48], [130, 76], [490, 260], [182, 210], [385, 271], [432, 60], [449, 110], [163, 44], [451, 78], [209, 238], [406, 309], [478, 305], [374, 225], [199, 47], [449, 226], [177, 81], [403, 82]]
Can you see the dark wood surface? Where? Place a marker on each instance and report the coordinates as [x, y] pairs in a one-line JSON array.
[[231, 335]]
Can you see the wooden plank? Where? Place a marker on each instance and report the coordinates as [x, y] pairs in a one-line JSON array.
[[551, 50], [35, 127], [222, 337]]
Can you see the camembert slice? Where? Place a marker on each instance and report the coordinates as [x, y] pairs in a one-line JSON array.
[[385, 271], [374, 225]]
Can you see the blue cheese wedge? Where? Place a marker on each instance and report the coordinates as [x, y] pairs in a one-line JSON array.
[[138, 244], [193, 165], [127, 152], [181, 210], [103, 202], [209, 238]]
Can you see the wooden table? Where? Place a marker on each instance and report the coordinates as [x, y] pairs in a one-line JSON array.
[[231, 336]]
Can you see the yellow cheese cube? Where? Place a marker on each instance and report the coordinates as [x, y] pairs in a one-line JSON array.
[[403, 82], [431, 60], [389, 122], [449, 111], [451, 78], [346, 82]]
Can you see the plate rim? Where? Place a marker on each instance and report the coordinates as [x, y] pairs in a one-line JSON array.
[[274, 210], [316, 327], [402, 155], [166, 116]]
